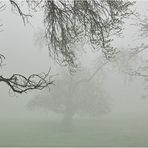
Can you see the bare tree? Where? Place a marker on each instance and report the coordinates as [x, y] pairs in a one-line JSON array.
[[87, 98], [69, 22], [139, 68], [19, 83], [66, 24]]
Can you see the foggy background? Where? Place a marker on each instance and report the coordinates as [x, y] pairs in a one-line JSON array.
[[26, 54]]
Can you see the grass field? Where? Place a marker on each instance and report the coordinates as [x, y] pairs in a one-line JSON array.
[[103, 132]]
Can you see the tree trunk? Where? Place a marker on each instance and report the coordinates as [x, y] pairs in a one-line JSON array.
[[69, 110], [67, 121]]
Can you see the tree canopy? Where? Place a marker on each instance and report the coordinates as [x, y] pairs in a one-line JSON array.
[[74, 98], [66, 24]]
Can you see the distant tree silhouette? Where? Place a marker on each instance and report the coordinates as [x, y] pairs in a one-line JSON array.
[[74, 95]]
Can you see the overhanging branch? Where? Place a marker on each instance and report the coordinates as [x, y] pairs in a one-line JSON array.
[[21, 84]]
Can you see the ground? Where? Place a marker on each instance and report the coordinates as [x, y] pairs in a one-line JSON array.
[[103, 132]]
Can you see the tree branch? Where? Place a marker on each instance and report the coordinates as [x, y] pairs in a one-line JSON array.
[[21, 84], [91, 77], [21, 13]]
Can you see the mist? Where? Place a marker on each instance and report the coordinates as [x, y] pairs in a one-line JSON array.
[[122, 99]]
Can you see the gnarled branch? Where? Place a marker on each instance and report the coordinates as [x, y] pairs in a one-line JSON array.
[[21, 84]]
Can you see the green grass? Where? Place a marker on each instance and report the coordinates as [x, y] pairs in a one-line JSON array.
[[103, 132]]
